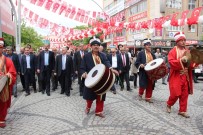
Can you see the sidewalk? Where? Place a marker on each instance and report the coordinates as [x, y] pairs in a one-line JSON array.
[[58, 114]]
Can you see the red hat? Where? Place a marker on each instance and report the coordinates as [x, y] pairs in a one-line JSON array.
[[1, 42], [179, 36]]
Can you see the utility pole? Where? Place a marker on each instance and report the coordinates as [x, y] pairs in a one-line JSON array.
[[15, 20]]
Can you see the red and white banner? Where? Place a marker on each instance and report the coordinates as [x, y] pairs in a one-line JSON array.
[[7, 24]]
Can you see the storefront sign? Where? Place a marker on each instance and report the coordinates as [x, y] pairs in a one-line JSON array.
[[137, 16], [119, 39]]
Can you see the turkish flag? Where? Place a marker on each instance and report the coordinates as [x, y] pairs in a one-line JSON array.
[[40, 3], [31, 14], [25, 11], [90, 21], [94, 14], [73, 12], [183, 17], [36, 17], [55, 7], [82, 15], [85, 19], [174, 21], [68, 10], [194, 17], [33, 1], [77, 17], [48, 4], [63, 8]]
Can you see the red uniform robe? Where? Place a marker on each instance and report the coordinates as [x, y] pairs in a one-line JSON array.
[[175, 78], [5, 105]]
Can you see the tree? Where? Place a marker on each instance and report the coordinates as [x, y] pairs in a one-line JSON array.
[[30, 36]]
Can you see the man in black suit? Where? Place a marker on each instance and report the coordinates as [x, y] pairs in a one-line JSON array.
[[125, 69], [77, 62], [54, 79], [88, 62], [28, 70], [64, 70], [45, 66], [20, 55], [14, 58], [116, 62]]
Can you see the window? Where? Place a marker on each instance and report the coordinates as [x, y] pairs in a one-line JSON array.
[[174, 28], [191, 4], [191, 28], [139, 7], [174, 4]]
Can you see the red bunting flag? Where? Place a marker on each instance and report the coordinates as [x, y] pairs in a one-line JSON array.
[[73, 12], [33, 1], [194, 17], [48, 4], [40, 3], [183, 17], [174, 21], [63, 8], [55, 7], [68, 10]]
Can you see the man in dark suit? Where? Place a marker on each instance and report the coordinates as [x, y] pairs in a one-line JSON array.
[[64, 70], [89, 61], [54, 79], [77, 62], [38, 74], [116, 62], [21, 76], [144, 57], [28, 70], [125, 69], [14, 58], [45, 66]]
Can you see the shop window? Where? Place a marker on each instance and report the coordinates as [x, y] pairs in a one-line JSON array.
[[191, 28]]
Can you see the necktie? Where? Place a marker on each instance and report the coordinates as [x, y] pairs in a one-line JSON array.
[[123, 60]]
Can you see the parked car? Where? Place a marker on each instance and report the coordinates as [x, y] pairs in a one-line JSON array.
[[198, 71]]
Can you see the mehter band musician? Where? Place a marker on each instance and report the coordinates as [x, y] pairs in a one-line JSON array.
[[180, 79], [143, 58], [89, 61], [7, 70]]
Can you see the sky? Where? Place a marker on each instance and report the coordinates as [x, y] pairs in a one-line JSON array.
[[90, 5]]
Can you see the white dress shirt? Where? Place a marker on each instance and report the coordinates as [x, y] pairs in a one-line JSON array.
[[28, 61], [114, 61], [64, 62], [46, 58]]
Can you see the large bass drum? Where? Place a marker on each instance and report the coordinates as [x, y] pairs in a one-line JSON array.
[[100, 79], [156, 69]]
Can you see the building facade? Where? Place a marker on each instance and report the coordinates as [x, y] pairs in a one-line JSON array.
[[143, 10]]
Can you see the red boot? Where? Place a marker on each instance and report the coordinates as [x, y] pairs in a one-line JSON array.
[[2, 124]]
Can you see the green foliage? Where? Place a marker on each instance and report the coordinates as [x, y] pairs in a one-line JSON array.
[[30, 36], [8, 39]]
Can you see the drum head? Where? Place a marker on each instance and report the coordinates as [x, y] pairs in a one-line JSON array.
[[153, 64], [95, 75], [3, 80]]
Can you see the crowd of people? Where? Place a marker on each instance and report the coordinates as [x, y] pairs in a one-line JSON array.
[[50, 66]]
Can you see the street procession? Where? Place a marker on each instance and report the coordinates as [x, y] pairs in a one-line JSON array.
[[92, 67]]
